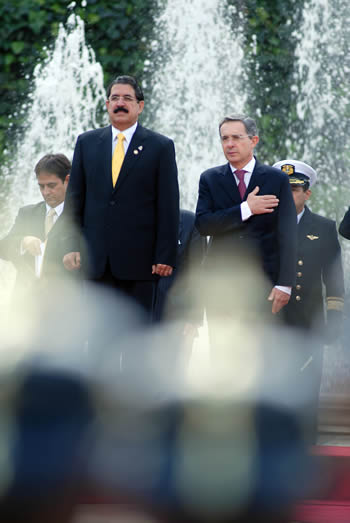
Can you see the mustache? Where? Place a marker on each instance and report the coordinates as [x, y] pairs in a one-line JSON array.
[[118, 109]]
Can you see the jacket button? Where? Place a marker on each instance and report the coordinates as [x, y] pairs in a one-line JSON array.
[[297, 298], [298, 287], [112, 203], [300, 262], [299, 274]]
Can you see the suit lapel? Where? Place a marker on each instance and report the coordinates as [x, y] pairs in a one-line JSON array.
[[229, 181], [229, 184], [256, 179], [304, 224], [104, 152], [40, 213], [133, 155]]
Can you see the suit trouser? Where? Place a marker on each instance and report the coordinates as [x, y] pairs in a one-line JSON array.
[[141, 291]]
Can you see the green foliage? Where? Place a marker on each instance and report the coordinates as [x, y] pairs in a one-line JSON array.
[[270, 37], [117, 30]]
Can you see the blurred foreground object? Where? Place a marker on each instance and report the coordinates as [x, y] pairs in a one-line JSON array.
[[119, 424]]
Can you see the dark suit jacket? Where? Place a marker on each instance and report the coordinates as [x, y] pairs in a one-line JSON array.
[[175, 294], [135, 224], [344, 227], [271, 236], [30, 221], [319, 262]]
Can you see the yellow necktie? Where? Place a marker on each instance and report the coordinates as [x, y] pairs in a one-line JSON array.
[[118, 157], [49, 221]]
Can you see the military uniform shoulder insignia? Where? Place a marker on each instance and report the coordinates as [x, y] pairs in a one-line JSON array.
[[312, 237]]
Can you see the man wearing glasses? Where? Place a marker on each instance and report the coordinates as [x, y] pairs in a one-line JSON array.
[[124, 195], [247, 207]]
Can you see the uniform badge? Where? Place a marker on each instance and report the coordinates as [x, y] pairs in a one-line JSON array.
[[312, 237], [288, 169]]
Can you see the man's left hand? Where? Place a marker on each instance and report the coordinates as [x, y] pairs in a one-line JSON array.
[[279, 299], [162, 270]]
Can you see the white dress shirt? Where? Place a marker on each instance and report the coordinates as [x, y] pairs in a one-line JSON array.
[[128, 133], [300, 215], [39, 259], [245, 209]]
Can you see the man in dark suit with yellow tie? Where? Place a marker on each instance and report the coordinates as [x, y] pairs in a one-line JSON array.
[[123, 194], [35, 244]]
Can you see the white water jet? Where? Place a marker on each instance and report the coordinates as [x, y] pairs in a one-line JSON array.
[[197, 80], [66, 99], [324, 108], [324, 100]]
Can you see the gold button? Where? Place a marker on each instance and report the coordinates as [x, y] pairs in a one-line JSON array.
[[298, 287], [297, 298], [299, 274], [300, 262]]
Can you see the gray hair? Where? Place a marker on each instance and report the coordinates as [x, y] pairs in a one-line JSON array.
[[249, 123]]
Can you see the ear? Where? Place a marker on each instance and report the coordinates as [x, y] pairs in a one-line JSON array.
[[255, 140], [141, 106], [307, 194], [66, 180]]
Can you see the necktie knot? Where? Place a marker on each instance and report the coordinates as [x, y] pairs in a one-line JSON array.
[[241, 184], [118, 158], [240, 174]]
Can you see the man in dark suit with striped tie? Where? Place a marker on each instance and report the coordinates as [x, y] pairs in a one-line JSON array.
[[123, 194], [35, 244], [247, 207]]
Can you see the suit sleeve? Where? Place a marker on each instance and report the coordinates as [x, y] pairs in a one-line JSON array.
[[167, 207], [210, 221], [332, 273], [75, 200], [10, 245], [344, 227], [287, 236]]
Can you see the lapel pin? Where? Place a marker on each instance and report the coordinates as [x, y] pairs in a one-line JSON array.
[[140, 147], [136, 151], [312, 237]]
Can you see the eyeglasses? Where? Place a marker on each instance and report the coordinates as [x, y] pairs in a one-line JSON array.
[[235, 137], [127, 98]]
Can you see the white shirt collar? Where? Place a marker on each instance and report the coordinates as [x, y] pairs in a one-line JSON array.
[[300, 215], [249, 167], [58, 209], [128, 133]]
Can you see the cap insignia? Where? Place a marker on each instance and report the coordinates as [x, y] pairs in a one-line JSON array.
[[288, 169]]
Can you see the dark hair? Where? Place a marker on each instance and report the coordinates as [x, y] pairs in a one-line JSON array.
[[129, 80], [249, 123], [305, 186], [57, 164]]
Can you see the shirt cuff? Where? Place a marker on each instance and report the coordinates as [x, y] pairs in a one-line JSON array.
[[287, 290], [22, 251], [245, 211]]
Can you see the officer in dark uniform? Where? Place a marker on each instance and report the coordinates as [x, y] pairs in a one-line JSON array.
[[319, 273]]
